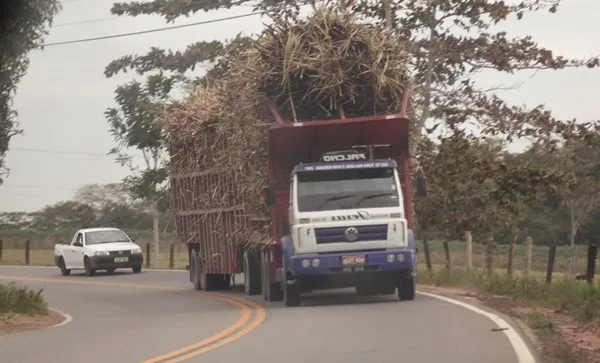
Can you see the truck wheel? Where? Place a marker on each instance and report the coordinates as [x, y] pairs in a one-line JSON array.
[[271, 290], [263, 274], [194, 273], [89, 271], [136, 269], [63, 267], [291, 295], [407, 288], [251, 274]]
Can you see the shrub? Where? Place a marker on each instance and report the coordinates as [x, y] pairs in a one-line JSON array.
[[21, 300]]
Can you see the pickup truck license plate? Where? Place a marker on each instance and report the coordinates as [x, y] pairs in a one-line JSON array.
[[121, 259], [353, 260]]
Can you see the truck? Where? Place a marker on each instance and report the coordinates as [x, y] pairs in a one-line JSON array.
[[339, 194], [93, 249]]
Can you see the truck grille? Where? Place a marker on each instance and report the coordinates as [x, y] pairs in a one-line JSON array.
[[365, 233], [116, 253]]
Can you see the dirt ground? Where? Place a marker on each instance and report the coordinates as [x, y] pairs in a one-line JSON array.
[[18, 323], [572, 341]]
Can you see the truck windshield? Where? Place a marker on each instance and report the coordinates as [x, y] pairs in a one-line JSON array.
[[94, 238], [347, 189]]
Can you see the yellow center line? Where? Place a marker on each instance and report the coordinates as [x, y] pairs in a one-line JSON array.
[[208, 344]]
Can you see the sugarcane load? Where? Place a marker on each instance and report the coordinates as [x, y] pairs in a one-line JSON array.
[[292, 166]]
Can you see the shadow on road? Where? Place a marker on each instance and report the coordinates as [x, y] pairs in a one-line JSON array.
[[324, 298]]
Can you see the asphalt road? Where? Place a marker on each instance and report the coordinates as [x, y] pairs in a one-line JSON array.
[[156, 317]]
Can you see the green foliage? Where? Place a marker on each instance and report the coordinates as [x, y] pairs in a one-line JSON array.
[[21, 300], [25, 24], [93, 206]]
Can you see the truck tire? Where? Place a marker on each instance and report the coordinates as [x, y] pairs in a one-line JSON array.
[[271, 290], [89, 271], [194, 272], [63, 267], [291, 295], [251, 274], [407, 288], [291, 292]]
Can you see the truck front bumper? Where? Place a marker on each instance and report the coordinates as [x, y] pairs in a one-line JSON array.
[[331, 263], [108, 262]]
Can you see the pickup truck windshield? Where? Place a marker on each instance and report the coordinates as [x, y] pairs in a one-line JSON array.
[[94, 238], [347, 189]]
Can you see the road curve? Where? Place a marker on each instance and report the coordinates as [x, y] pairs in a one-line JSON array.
[[138, 318]]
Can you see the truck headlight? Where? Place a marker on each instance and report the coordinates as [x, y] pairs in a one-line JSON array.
[[101, 253], [391, 258], [316, 262], [306, 263], [400, 257], [136, 251]]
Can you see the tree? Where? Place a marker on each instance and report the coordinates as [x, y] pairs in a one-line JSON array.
[[99, 195], [68, 214], [134, 124], [25, 23], [451, 42]]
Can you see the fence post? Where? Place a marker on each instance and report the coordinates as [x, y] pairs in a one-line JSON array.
[[469, 240], [148, 255], [427, 253], [551, 256], [27, 248], [172, 256], [489, 255], [591, 262], [511, 254], [1, 247], [447, 252], [528, 252]]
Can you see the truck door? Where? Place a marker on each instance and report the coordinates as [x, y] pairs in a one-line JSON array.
[[75, 252]]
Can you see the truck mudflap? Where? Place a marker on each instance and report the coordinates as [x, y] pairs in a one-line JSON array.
[[353, 262]]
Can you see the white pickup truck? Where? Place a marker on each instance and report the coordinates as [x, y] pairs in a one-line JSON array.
[[95, 249]]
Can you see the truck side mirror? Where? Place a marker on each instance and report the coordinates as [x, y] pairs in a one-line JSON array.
[[269, 195], [422, 186]]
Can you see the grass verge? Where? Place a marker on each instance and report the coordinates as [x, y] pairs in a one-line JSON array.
[[581, 300], [21, 300]]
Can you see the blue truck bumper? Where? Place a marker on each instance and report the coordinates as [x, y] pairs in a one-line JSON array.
[[331, 264]]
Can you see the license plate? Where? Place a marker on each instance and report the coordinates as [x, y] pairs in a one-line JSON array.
[[121, 259], [353, 260]]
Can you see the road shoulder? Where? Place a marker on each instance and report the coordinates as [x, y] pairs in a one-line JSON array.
[[11, 324]]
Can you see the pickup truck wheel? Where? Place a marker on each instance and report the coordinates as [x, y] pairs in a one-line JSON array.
[[251, 274], [89, 271], [63, 268], [407, 288], [194, 273], [136, 269]]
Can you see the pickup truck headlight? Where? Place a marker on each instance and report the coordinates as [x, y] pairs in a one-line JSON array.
[[101, 253], [136, 251]]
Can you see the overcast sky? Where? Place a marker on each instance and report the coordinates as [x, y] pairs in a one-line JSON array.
[[62, 99]]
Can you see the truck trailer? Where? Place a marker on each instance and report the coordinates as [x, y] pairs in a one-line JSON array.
[[340, 205]]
